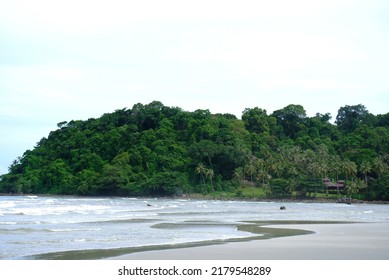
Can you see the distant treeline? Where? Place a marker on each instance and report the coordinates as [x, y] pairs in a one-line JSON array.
[[158, 150]]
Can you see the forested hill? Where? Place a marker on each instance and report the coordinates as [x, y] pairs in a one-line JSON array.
[[158, 150]]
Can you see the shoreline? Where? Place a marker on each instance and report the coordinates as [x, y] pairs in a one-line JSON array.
[[203, 197], [338, 241], [262, 234], [258, 229], [274, 240]]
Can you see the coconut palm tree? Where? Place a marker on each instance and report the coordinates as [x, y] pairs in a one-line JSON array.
[[349, 168], [209, 173], [355, 187], [250, 168], [201, 170], [335, 165], [365, 168], [239, 174], [261, 175], [379, 165], [276, 168]]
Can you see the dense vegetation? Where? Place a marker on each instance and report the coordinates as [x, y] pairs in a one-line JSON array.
[[158, 150]]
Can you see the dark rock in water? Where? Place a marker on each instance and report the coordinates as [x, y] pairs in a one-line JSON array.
[[149, 204], [282, 208]]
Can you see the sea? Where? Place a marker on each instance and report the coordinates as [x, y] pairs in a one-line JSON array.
[[33, 226]]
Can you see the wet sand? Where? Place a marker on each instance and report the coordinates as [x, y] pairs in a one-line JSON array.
[[359, 241]]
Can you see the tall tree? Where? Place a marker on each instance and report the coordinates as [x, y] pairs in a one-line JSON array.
[[349, 168], [365, 168], [350, 117], [201, 170], [291, 118]]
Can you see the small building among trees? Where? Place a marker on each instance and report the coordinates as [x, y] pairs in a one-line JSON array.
[[339, 185]]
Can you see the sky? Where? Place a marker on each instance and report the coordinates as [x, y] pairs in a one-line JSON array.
[[78, 59]]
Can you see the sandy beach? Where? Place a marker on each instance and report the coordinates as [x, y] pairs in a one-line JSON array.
[[359, 241]]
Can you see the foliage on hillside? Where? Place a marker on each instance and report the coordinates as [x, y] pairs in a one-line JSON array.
[[158, 150]]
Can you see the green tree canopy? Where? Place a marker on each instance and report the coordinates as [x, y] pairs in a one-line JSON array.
[[153, 149]]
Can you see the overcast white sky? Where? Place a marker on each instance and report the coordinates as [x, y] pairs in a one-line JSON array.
[[77, 59]]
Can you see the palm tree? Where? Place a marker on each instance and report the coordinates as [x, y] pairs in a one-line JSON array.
[[239, 174], [210, 174], [336, 165], [250, 168], [313, 169], [276, 168], [322, 168], [379, 165], [365, 168], [349, 168], [200, 169], [262, 175], [355, 187]]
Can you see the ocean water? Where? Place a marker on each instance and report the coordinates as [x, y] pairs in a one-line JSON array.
[[33, 225]]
